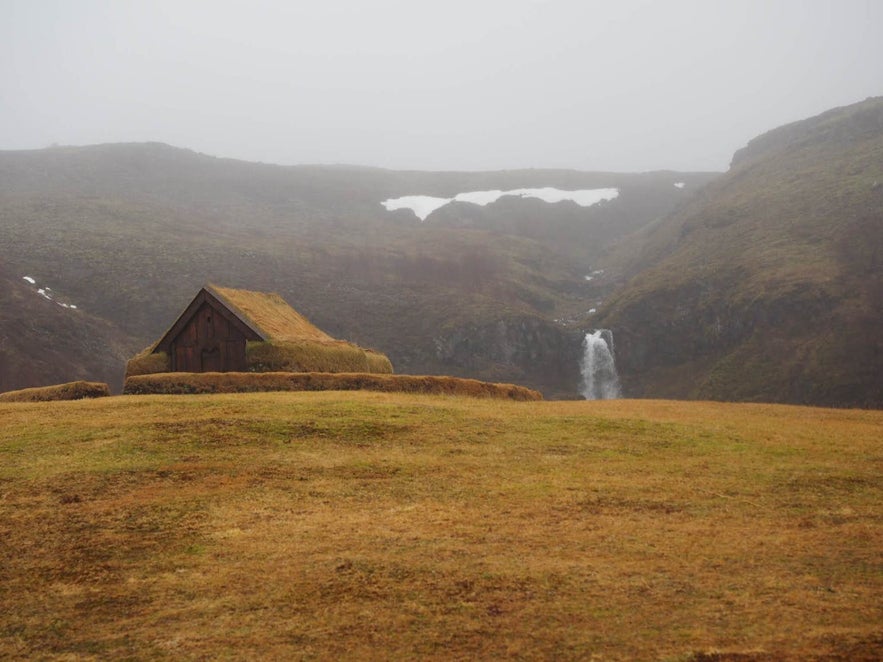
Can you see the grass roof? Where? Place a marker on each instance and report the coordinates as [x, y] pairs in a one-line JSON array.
[[269, 314]]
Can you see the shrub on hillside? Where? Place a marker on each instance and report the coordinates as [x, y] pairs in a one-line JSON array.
[[243, 382], [69, 391]]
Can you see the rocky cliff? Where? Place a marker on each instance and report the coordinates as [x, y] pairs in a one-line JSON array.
[[535, 350]]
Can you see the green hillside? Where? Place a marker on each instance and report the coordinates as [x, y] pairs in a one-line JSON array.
[[767, 285], [131, 232], [380, 526]]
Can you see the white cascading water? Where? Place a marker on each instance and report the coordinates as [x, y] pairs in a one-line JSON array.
[[600, 380]]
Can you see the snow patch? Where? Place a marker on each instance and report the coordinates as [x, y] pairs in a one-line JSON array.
[[424, 205], [48, 294], [480, 198], [421, 205], [584, 197], [680, 184]]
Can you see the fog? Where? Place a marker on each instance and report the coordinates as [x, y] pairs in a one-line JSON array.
[[624, 86]]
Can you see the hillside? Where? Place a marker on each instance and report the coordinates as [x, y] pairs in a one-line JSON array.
[[377, 526], [767, 285], [42, 340], [131, 232]]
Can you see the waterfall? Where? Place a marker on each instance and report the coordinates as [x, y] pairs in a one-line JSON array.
[[600, 381]]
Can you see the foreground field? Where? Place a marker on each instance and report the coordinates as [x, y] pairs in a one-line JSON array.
[[368, 525]]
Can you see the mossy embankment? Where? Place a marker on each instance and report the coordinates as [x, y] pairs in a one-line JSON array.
[[394, 526], [330, 356], [187, 383], [69, 391]]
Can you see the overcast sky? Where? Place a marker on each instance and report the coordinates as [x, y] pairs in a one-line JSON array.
[[623, 85]]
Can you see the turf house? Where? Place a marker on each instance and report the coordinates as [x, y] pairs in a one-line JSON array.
[[229, 330]]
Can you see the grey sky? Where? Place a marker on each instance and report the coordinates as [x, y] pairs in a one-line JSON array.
[[625, 85]]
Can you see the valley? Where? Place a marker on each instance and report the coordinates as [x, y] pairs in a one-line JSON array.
[[760, 284], [129, 232]]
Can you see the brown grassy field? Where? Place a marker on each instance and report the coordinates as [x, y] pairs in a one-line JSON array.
[[394, 526]]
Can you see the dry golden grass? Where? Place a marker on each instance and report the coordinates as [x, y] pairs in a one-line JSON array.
[[314, 356], [69, 391], [271, 314], [377, 362], [178, 383], [391, 526], [147, 362]]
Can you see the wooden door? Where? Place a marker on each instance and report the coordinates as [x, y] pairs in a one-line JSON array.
[[209, 342], [211, 359]]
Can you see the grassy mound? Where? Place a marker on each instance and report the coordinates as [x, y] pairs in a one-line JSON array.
[[175, 383], [395, 526], [147, 363], [313, 356], [69, 391]]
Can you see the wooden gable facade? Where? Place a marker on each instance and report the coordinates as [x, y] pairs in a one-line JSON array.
[[209, 336]]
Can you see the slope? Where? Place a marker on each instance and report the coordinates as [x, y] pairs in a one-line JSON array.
[[768, 285], [43, 342]]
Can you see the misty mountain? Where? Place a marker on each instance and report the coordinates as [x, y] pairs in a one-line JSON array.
[[768, 284], [131, 231]]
